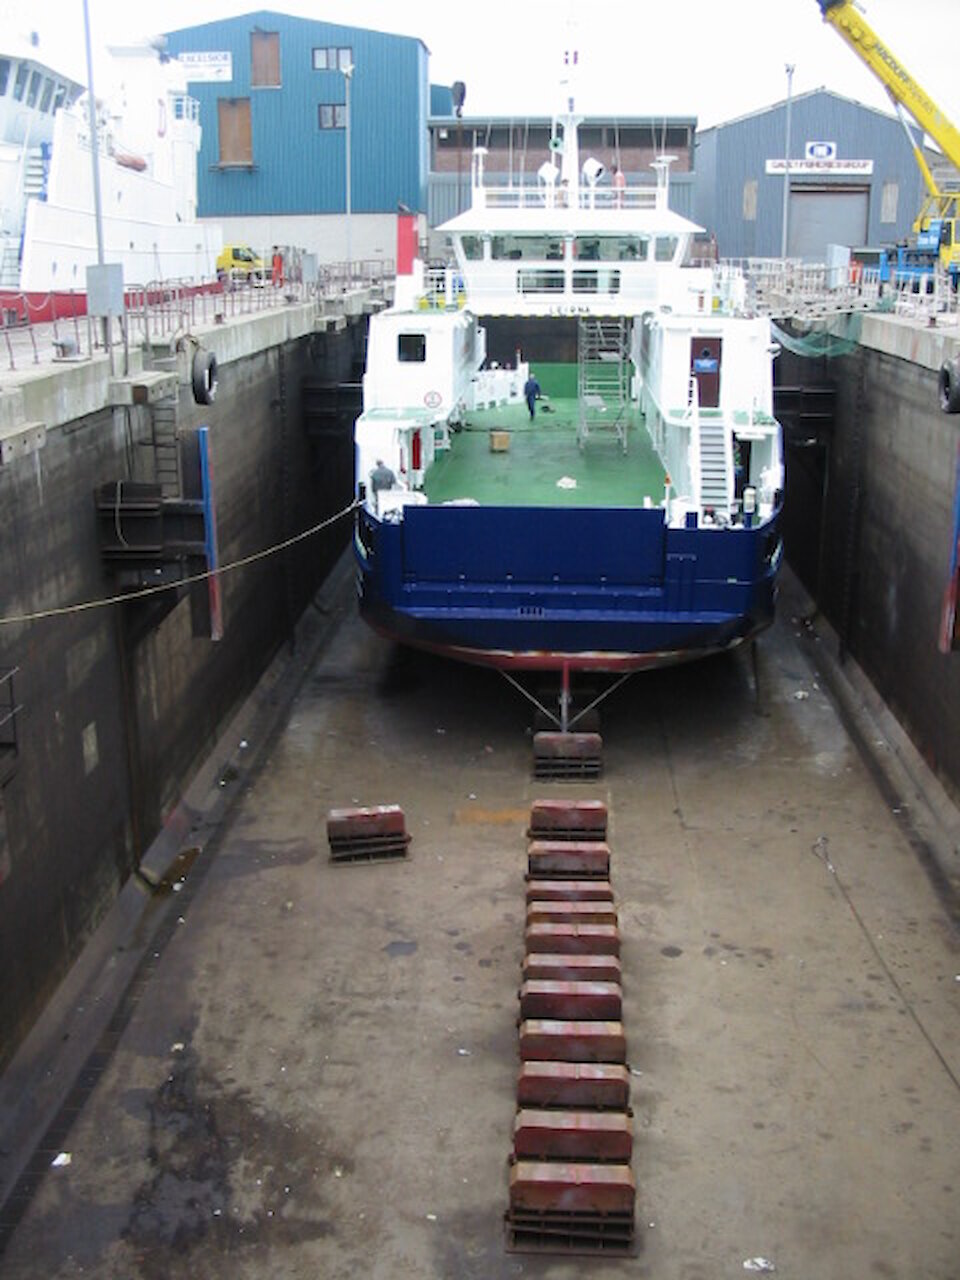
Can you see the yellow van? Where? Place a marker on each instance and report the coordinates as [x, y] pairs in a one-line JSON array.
[[239, 262]]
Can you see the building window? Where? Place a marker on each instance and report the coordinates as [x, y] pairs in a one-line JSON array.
[[4, 75], [236, 142], [332, 59], [412, 348], [750, 200], [889, 199], [265, 59], [332, 115]]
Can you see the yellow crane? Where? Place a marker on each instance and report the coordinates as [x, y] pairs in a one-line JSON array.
[[937, 225]]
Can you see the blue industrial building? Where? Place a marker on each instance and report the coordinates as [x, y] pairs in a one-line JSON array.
[[853, 179], [273, 108]]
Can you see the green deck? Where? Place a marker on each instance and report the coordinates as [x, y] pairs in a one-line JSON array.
[[540, 454]]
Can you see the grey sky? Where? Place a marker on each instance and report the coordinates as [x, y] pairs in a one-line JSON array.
[[714, 59]]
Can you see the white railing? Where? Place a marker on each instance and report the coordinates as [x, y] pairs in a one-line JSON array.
[[553, 197]]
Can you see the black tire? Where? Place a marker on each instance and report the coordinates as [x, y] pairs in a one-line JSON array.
[[204, 377], [949, 386]]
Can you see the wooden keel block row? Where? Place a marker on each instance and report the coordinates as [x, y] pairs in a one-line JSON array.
[[573, 939], [578, 1001], [545, 967], [603, 1137], [602, 1086], [565, 860], [568, 820], [567, 756], [367, 833], [556, 1040], [569, 891], [571, 913]]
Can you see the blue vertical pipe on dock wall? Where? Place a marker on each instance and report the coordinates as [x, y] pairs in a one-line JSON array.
[[299, 168]]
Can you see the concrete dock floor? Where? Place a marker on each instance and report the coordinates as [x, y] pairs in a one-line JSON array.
[[315, 1074]]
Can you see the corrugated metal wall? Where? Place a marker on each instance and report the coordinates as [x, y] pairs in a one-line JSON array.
[[731, 157], [297, 166]]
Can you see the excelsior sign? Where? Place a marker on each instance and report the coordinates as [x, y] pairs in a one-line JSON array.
[[207, 65], [801, 168]]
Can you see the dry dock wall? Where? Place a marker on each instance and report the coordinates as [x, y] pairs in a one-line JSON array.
[[118, 708], [870, 522]]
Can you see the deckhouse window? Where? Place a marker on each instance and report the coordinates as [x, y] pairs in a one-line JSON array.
[[540, 281], [666, 248], [59, 97], [411, 348], [265, 59], [472, 248], [4, 75], [47, 95], [611, 248], [20, 83], [34, 89]]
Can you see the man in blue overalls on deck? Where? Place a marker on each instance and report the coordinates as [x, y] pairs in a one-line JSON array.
[[531, 389]]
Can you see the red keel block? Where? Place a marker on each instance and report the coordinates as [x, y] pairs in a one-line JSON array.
[[574, 1085], [569, 891], [579, 1001], [553, 1040], [568, 820], [554, 968], [604, 1137], [573, 939], [571, 913], [572, 1188], [565, 859], [376, 832]]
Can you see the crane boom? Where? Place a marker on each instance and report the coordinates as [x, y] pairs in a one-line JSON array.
[[891, 72], [939, 215]]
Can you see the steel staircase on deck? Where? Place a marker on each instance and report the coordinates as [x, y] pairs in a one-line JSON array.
[[603, 379], [715, 486]]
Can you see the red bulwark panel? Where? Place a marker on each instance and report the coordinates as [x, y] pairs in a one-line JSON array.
[[574, 1085], [573, 939], [569, 891], [605, 1137], [406, 243], [550, 1040], [554, 968], [571, 913], [564, 860], [580, 1001], [568, 820]]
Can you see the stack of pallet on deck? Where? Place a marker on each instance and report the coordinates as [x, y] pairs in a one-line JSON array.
[[571, 1185]]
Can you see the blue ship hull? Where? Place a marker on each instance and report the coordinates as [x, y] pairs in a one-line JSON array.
[[544, 588]]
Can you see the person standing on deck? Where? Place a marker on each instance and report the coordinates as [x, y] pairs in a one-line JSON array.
[[531, 390], [619, 185], [277, 268]]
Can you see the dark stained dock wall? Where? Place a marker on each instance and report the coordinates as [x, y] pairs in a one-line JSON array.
[[876, 554], [117, 714]]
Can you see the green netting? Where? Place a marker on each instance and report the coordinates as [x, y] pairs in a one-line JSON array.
[[837, 336]]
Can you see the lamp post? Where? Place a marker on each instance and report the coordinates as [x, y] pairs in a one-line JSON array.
[[347, 80], [786, 171]]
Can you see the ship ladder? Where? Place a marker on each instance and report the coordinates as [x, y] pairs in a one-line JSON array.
[[165, 442], [603, 377]]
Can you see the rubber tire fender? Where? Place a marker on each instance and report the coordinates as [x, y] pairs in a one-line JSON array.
[[948, 384], [205, 377]]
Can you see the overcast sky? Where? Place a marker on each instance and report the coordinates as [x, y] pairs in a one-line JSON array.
[[713, 59]]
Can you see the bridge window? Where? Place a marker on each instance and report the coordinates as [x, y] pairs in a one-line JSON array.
[[412, 348], [611, 248], [34, 89], [540, 282], [4, 75], [527, 248], [20, 83], [47, 95], [472, 248], [666, 248]]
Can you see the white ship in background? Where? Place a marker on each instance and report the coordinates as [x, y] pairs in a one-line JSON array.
[[148, 139]]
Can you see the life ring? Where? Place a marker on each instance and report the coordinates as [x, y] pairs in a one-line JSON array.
[[949, 386], [204, 377]]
